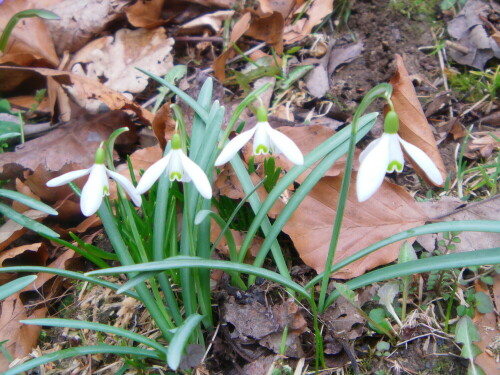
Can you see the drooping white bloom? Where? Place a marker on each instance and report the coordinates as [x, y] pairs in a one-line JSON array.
[[384, 155], [178, 167], [266, 140], [97, 185]]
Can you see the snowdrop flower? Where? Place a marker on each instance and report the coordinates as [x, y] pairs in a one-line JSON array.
[[97, 185], [266, 140], [384, 155], [178, 167]]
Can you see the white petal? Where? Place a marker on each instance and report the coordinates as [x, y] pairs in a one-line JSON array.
[[372, 170], [197, 175], [424, 162], [127, 185], [234, 146], [152, 174], [262, 138], [367, 150], [286, 146], [395, 154], [68, 177], [94, 190]]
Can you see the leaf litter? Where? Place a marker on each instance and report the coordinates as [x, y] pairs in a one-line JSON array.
[[393, 211]]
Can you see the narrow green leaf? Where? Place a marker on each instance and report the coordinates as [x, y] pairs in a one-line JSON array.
[[180, 340], [84, 350], [492, 226], [442, 262], [27, 201], [15, 286], [79, 324], [140, 278], [25, 221], [68, 274], [200, 111], [196, 262]]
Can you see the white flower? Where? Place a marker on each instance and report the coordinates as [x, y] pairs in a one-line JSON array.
[[266, 140], [178, 167], [385, 155], [97, 186]]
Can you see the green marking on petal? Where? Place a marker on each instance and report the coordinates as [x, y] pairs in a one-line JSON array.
[[175, 176], [261, 149], [394, 166], [105, 190]]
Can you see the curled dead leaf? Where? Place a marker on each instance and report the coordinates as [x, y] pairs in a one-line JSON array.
[[413, 125], [30, 42]]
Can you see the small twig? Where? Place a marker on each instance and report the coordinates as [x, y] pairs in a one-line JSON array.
[[477, 104], [458, 47]]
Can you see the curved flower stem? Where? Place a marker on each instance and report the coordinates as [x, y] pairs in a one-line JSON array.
[[384, 91]]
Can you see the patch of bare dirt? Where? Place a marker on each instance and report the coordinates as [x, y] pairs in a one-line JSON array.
[[383, 32]]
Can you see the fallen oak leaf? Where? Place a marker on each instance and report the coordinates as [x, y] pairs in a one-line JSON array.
[[113, 59], [80, 21], [413, 125], [86, 92]]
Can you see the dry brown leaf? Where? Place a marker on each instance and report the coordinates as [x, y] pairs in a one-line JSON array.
[[307, 138], [268, 29], [86, 92], [72, 143], [489, 332], [145, 14], [414, 127], [239, 29], [452, 209], [30, 42], [28, 255], [317, 10], [391, 211], [113, 59], [27, 101], [164, 125], [483, 144], [80, 21], [344, 319], [20, 338], [11, 231]]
